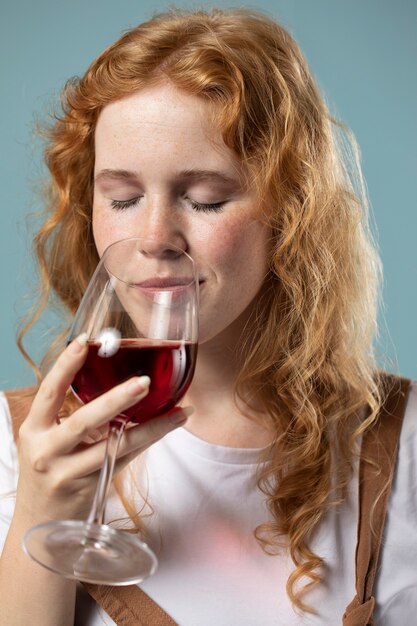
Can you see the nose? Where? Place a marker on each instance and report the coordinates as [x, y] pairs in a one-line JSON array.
[[159, 249], [161, 225]]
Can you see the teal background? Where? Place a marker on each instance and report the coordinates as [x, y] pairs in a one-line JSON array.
[[364, 56]]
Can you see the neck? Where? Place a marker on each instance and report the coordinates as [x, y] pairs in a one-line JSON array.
[[220, 416]]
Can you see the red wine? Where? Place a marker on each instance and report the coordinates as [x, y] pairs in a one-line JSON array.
[[170, 366]]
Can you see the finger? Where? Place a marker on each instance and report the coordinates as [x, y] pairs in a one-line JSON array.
[[134, 441], [92, 416], [51, 393], [101, 433], [96, 435]]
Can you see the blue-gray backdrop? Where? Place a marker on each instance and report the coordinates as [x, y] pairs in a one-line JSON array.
[[364, 56]]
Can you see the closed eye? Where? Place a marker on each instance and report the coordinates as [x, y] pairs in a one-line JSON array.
[[121, 205], [207, 207], [124, 204]]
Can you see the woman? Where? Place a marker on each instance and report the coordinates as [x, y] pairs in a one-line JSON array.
[[208, 130]]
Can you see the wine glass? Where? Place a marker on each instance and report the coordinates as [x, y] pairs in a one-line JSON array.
[[140, 314]]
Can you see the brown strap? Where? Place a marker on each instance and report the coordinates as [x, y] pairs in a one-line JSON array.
[[376, 472], [129, 606]]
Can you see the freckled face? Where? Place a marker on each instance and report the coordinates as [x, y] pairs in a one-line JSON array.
[[163, 171]]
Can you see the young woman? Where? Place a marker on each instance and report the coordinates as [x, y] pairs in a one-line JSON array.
[[207, 130]]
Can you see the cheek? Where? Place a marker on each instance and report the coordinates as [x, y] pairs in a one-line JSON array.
[[106, 230], [236, 257], [223, 244], [100, 237], [101, 230], [239, 247]]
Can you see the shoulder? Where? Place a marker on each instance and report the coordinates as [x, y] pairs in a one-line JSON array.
[[397, 574], [14, 406], [405, 478], [399, 417], [409, 429], [8, 451], [18, 403], [5, 418]]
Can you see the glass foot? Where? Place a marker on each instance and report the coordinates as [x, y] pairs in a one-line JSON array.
[[90, 553]]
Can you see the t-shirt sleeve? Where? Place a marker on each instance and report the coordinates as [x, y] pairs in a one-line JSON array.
[[8, 469], [396, 587]]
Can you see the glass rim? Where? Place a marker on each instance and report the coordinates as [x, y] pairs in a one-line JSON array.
[[102, 259]]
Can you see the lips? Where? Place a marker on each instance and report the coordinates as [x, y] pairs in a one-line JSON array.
[[165, 284]]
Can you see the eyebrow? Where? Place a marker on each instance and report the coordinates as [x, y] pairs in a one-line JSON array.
[[111, 174], [210, 175], [186, 175]]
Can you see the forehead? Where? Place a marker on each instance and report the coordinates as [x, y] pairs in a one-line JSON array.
[[161, 123], [160, 108]]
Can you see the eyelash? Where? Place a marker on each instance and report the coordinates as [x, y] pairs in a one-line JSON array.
[[215, 207], [121, 205]]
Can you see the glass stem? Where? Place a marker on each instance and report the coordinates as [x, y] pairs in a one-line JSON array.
[[98, 507]]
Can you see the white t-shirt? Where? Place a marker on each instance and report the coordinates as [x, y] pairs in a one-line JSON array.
[[206, 506]]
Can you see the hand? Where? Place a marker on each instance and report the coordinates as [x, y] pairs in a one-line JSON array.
[[58, 471]]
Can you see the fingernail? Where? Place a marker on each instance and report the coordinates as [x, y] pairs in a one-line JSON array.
[[138, 385], [79, 343], [180, 416]]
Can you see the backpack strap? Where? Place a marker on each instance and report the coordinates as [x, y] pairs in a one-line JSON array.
[[129, 606], [376, 471]]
